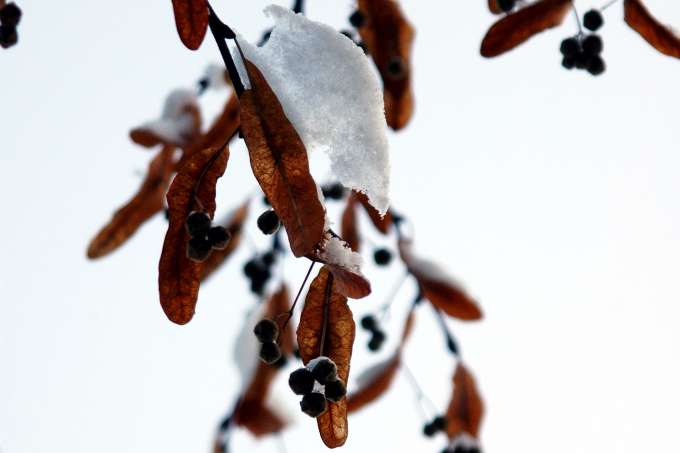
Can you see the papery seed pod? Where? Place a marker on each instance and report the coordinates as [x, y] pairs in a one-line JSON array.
[[357, 19], [335, 391], [270, 352], [269, 222], [325, 370], [10, 14], [197, 224], [198, 249], [313, 404], [301, 381], [369, 322], [377, 340], [382, 257], [219, 237], [592, 45], [266, 331], [593, 20]]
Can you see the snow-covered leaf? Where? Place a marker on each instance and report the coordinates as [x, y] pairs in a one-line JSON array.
[[179, 124]]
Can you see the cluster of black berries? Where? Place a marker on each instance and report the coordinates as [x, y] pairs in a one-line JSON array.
[[318, 382], [382, 257], [267, 332], [258, 270], [269, 222], [10, 14], [583, 50], [438, 424], [369, 323], [205, 236], [333, 191]]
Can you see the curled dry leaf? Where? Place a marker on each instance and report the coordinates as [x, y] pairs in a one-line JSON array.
[[466, 408], [658, 35], [349, 228], [324, 300], [179, 125], [148, 201], [388, 37], [383, 224], [438, 287], [279, 161], [234, 224], [178, 276], [514, 29], [191, 18], [493, 7], [252, 411]]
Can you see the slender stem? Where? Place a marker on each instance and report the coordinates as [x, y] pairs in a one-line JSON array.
[[393, 293], [290, 312], [221, 32], [419, 392], [205, 169], [608, 5], [450, 342], [297, 8], [578, 19], [326, 303]]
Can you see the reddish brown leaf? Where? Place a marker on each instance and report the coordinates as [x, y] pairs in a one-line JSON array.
[[388, 37], [349, 228], [145, 137], [383, 224], [374, 387], [493, 7], [466, 408], [513, 29], [322, 297], [179, 126], [258, 418], [235, 226], [279, 161], [178, 276], [661, 37], [438, 287], [148, 201], [191, 18]]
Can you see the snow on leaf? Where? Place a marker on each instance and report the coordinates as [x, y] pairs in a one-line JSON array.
[[178, 276], [466, 408], [148, 201], [279, 161], [514, 29], [179, 124], [191, 19], [345, 265], [322, 298], [438, 287], [349, 227], [383, 223], [661, 37], [330, 94], [234, 224], [388, 37]]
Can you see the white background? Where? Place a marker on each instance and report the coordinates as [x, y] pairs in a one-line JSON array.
[[552, 195]]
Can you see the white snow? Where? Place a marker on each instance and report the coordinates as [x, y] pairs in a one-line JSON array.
[[177, 121], [335, 251], [331, 95], [215, 75], [247, 348]]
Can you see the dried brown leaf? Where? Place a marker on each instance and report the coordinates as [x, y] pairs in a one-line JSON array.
[[145, 137], [148, 201], [466, 408], [383, 224], [321, 298], [191, 19], [388, 37], [493, 7], [178, 276], [258, 418], [661, 37], [375, 387], [279, 161], [514, 29], [438, 287], [235, 226], [349, 227]]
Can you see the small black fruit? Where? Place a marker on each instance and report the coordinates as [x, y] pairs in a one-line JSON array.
[[325, 370], [10, 14], [357, 19], [301, 381], [570, 47], [198, 249], [335, 391], [593, 20], [382, 257], [597, 66], [219, 237], [197, 224], [377, 340], [269, 222], [506, 5], [266, 331], [592, 45], [334, 191], [313, 404], [270, 352], [369, 322]]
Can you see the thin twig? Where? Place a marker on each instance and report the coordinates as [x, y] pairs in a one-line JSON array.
[[608, 5], [578, 19], [393, 293], [206, 167], [290, 312], [221, 32], [451, 343], [419, 392], [326, 302]]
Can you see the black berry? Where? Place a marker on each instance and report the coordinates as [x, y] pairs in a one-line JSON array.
[[265, 201], [506, 5], [10, 14], [429, 430], [592, 45], [335, 391], [313, 404], [357, 19], [570, 47], [266, 331], [440, 423], [377, 340], [268, 258], [219, 237], [396, 68], [301, 381], [582, 60], [369, 322], [269, 222], [8, 36], [270, 352], [347, 33], [382, 257], [197, 224], [568, 62], [334, 191], [597, 66], [325, 370], [593, 20], [282, 362], [198, 249]]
